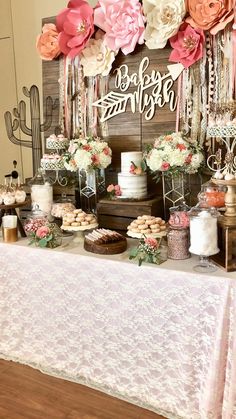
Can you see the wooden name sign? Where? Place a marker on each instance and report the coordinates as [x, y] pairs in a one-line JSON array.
[[151, 91]]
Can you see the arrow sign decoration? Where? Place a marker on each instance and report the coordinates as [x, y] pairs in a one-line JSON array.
[[152, 91]]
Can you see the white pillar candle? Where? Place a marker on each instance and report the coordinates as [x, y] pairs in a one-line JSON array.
[[203, 234]]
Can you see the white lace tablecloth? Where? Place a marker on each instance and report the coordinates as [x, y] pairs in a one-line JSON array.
[[161, 338]]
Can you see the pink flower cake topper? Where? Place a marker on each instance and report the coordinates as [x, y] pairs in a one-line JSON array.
[[75, 26]]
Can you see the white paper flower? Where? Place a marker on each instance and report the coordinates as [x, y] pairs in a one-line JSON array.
[[164, 18], [96, 58]]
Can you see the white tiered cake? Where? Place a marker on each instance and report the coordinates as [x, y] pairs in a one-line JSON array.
[[132, 180]]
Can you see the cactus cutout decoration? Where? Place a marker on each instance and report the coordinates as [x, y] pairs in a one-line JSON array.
[[36, 127]]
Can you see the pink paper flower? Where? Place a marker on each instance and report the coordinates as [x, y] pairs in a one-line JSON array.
[[123, 23], [47, 43], [42, 232], [187, 45], [75, 24], [212, 15]]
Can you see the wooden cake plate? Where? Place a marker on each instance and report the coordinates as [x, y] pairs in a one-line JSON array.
[[106, 248]]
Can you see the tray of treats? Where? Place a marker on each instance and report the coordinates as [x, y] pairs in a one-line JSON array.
[[147, 225], [78, 220], [105, 242]]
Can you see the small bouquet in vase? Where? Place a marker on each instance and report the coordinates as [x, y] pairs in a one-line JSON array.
[[148, 250]]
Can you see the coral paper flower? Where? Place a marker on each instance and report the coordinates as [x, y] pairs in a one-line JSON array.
[[47, 43], [187, 45], [164, 18], [75, 26], [212, 15], [123, 23]]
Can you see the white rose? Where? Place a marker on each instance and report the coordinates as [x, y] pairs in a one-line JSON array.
[[164, 18], [177, 157], [197, 159], [154, 160], [105, 160], [70, 166], [83, 159], [96, 58]]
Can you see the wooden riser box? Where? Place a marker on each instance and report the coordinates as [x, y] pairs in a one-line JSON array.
[[118, 214]]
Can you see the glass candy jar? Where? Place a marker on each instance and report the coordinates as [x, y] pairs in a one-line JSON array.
[[203, 236], [212, 195], [41, 193], [34, 221], [61, 206], [178, 243], [179, 217]]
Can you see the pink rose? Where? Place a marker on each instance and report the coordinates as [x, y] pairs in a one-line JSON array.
[[212, 15], [165, 166], [117, 187], [187, 45], [110, 188], [95, 159], [42, 232], [75, 26], [118, 192], [47, 43], [188, 158], [123, 23], [150, 241], [107, 151]]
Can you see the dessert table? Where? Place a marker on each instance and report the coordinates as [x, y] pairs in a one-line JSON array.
[[162, 337]]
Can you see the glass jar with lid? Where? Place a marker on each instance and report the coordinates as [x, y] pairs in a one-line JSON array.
[[212, 195], [203, 236], [61, 206], [41, 192], [179, 217]]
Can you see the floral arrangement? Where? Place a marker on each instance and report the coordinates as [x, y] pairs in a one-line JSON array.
[[87, 153], [173, 153], [47, 235], [96, 35], [146, 251], [114, 191]]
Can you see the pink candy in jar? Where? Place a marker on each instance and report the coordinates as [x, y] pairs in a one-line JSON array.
[[179, 216]]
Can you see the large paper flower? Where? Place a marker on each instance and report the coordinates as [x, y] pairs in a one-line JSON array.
[[164, 18], [47, 43], [210, 15], [188, 45], [75, 24], [96, 57], [123, 23]]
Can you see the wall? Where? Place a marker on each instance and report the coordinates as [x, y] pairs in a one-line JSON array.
[[20, 66]]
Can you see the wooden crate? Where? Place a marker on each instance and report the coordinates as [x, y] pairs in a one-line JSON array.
[[118, 214]]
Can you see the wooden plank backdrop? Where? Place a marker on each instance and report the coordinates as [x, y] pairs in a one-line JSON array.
[[127, 131]]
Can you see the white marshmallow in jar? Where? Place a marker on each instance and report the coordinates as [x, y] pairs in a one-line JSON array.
[[203, 231], [41, 193]]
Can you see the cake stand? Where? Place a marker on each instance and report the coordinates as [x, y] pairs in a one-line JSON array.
[[140, 235], [79, 231]]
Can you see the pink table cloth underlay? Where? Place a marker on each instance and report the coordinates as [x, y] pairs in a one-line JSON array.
[[161, 337]]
